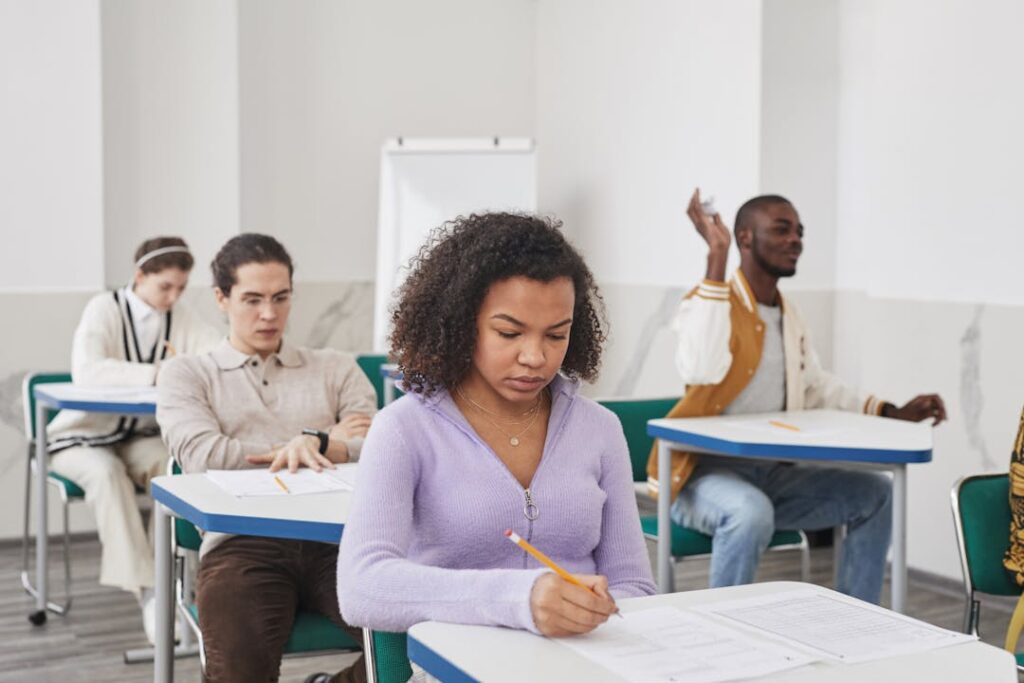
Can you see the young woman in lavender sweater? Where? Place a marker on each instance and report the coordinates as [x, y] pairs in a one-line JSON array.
[[497, 323]]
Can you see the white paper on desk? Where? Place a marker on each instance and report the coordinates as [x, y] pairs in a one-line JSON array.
[[246, 483], [837, 626], [668, 645], [113, 394]]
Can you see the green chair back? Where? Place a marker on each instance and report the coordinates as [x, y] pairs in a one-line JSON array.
[[984, 512], [634, 414], [370, 364], [32, 380], [185, 533], [391, 659]]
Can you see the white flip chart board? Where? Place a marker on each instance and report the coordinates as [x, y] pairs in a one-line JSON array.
[[427, 181]]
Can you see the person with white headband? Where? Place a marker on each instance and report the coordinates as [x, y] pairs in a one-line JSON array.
[[121, 339]]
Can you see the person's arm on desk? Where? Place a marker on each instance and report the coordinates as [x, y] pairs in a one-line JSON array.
[[702, 322], [190, 427], [922, 407]]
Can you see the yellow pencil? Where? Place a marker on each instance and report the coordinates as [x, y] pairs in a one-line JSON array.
[[547, 561], [783, 425], [170, 349], [281, 484]]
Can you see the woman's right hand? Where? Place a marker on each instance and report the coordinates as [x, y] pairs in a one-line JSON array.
[[562, 609]]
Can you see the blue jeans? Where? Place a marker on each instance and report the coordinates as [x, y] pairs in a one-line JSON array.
[[740, 504]]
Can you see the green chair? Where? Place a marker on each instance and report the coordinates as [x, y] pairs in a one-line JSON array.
[[370, 364], [686, 542], [66, 489], [387, 660], [981, 516], [312, 633]]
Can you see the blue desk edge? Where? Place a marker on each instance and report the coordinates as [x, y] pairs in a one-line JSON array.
[[436, 665], [249, 526], [796, 452]]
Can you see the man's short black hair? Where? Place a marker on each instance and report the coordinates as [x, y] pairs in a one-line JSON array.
[[746, 212]]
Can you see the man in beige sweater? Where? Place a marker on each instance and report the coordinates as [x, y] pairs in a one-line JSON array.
[[257, 401]]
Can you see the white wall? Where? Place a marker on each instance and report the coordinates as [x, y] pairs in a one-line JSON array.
[[799, 124], [638, 103], [931, 142], [51, 204], [170, 127], [324, 83], [929, 231]]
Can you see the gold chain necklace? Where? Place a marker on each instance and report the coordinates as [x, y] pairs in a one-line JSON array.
[[513, 439], [529, 411]]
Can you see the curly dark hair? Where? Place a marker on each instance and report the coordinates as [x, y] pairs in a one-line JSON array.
[[434, 322]]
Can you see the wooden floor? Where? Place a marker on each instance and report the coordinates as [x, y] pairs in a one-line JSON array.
[[88, 644]]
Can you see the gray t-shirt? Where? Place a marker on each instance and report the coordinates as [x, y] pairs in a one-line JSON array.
[[766, 392]]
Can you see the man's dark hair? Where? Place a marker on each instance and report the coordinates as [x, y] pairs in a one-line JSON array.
[[249, 247], [434, 322], [746, 212], [182, 260]]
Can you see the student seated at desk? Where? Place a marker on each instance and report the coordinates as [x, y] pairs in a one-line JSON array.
[[742, 348], [255, 401], [495, 327], [121, 339]]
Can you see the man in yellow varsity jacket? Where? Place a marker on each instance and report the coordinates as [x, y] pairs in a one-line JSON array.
[[742, 348]]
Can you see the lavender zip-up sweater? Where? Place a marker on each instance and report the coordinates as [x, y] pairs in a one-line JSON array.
[[425, 534]]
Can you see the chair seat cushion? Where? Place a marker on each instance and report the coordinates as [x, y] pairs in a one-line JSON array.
[[72, 489], [312, 632], [687, 542]]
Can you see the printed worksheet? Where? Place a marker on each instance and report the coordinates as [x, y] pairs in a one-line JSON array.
[[668, 645], [260, 482], [835, 625]]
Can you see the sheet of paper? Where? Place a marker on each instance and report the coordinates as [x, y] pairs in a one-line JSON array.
[[839, 627], [668, 645], [245, 483], [101, 394]]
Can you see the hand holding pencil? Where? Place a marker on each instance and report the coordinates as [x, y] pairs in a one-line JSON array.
[[566, 604]]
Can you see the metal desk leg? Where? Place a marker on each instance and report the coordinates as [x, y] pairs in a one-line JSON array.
[[664, 519], [899, 538], [389, 390], [42, 525], [163, 657]]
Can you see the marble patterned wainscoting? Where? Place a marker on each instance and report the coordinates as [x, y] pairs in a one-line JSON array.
[[971, 354], [40, 326]]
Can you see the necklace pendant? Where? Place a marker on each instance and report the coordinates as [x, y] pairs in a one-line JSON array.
[[514, 441]]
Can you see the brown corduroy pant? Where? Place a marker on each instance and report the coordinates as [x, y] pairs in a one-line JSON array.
[[248, 592]]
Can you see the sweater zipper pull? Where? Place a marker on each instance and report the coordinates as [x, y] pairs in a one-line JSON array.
[[530, 509]]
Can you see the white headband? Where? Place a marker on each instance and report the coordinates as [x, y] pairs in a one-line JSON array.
[[160, 252]]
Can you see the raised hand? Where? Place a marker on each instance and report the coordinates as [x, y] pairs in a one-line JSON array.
[[715, 233]]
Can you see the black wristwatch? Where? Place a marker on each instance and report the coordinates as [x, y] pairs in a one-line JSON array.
[[324, 437]]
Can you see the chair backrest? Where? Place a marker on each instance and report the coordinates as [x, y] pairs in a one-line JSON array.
[[186, 536], [370, 364], [390, 659], [31, 381], [981, 512], [634, 413]]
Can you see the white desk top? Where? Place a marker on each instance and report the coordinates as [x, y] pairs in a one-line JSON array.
[[454, 652], [822, 435], [314, 517], [123, 400]]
